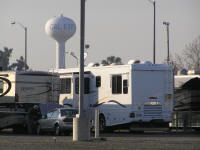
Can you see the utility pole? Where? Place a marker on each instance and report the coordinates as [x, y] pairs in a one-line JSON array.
[[154, 30], [167, 28], [154, 33], [25, 31]]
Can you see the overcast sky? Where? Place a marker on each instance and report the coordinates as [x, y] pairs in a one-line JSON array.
[[121, 28]]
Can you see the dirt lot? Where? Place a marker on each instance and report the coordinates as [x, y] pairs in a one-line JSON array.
[[114, 141]]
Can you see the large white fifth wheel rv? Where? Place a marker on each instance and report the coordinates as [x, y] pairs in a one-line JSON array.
[[133, 96], [22, 93], [29, 87]]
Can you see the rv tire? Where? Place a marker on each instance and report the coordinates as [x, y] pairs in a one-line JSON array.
[[102, 123]]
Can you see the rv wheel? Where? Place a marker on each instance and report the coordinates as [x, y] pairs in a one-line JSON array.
[[102, 123]]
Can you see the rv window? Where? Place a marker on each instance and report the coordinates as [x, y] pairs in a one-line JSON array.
[[1, 86], [49, 114], [55, 114], [125, 86], [68, 85], [86, 85], [98, 81], [62, 86], [65, 86], [77, 85], [116, 84]]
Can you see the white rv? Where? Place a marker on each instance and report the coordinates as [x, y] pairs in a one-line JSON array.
[[21, 96], [186, 100], [29, 87], [134, 96]]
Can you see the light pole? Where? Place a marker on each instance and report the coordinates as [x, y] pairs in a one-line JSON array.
[[73, 55], [81, 130], [167, 27], [154, 30], [25, 29], [77, 59]]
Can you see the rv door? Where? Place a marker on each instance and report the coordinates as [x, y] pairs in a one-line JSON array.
[[87, 81], [66, 90]]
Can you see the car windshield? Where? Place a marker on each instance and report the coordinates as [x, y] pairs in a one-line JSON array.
[[68, 112]]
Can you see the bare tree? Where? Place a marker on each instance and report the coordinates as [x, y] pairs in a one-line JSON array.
[[190, 57], [111, 59]]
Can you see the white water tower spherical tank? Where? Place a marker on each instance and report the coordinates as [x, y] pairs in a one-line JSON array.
[[60, 29]]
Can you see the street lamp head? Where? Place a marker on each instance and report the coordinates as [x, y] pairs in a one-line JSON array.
[[152, 1], [87, 46], [12, 22], [72, 54]]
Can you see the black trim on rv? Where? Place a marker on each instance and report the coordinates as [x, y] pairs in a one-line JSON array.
[[109, 101], [9, 86]]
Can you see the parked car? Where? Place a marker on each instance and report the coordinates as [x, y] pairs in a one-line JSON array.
[[58, 121]]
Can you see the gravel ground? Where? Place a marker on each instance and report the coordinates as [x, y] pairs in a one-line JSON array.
[[114, 141]]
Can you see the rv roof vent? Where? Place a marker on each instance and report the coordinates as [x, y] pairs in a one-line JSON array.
[[113, 64], [182, 72], [90, 64], [103, 65], [137, 62], [192, 72], [148, 63], [133, 62], [96, 64], [93, 64]]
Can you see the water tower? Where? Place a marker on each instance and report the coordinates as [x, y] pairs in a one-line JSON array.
[[60, 29]]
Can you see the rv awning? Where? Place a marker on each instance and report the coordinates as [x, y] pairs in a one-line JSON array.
[[192, 84], [180, 81], [187, 82]]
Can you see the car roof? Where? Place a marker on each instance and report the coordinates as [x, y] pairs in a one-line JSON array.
[[68, 109], [63, 109]]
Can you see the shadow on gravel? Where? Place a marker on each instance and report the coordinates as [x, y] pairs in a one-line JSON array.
[[119, 133]]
